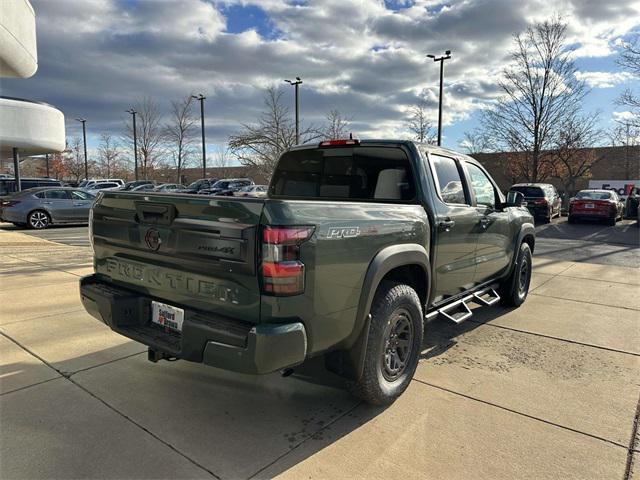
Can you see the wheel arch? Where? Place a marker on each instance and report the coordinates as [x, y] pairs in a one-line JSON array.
[[526, 234], [406, 263]]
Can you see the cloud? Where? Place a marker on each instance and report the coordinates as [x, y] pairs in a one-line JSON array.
[[603, 79], [365, 57]]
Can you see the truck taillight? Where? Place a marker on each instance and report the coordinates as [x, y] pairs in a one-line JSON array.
[[281, 268]]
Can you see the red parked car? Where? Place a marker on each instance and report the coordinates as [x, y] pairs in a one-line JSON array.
[[597, 205]]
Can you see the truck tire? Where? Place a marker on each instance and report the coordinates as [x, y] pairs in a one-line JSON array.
[[514, 290], [393, 346]]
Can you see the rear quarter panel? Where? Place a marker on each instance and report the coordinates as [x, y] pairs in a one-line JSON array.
[[347, 236]]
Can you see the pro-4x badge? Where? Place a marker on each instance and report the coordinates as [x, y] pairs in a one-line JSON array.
[[152, 239], [342, 232]]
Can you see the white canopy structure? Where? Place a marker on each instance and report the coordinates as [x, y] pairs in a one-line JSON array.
[[26, 127]]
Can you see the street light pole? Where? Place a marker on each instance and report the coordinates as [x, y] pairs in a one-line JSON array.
[[84, 141], [46, 159], [201, 98], [441, 59], [135, 142], [296, 84]]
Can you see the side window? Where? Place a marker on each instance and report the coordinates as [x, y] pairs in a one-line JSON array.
[[39, 195], [76, 195], [482, 186], [449, 180], [57, 194]]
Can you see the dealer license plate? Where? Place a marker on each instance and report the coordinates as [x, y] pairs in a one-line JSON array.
[[167, 316], [589, 205]]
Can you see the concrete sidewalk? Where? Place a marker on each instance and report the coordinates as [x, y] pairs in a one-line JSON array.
[[549, 390]]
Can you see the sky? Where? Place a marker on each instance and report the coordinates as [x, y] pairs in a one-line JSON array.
[[366, 58]]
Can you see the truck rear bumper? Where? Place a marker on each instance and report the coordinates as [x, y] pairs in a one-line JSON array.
[[205, 337]]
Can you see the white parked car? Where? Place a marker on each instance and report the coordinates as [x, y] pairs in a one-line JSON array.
[[90, 184], [97, 187]]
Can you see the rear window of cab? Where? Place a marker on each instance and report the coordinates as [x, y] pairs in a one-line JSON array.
[[345, 173]]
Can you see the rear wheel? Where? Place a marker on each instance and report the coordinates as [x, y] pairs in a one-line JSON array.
[[38, 219], [393, 345], [515, 288]]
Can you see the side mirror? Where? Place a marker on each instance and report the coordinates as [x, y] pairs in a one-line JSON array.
[[515, 199]]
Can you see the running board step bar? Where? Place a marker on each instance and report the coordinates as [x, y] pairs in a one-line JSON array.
[[488, 297], [459, 311]]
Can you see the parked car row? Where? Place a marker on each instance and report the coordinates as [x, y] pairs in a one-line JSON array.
[[544, 202], [44, 202]]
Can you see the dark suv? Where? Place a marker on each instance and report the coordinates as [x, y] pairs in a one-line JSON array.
[[8, 185], [543, 200], [228, 186]]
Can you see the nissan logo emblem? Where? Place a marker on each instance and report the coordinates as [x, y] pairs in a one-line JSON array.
[[152, 239]]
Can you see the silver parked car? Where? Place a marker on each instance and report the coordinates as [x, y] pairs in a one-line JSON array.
[[252, 191], [40, 207]]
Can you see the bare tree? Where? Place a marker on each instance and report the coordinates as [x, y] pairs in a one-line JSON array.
[[475, 142], [419, 124], [260, 145], [179, 133], [222, 161], [337, 125], [540, 92], [108, 155], [627, 134], [150, 135], [74, 159], [573, 156], [630, 61]]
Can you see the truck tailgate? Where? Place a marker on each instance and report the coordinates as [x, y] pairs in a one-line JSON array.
[[183, 250]]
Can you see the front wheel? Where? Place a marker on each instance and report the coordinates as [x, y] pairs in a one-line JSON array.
[[515, 288], [38, 220], [393, 344]]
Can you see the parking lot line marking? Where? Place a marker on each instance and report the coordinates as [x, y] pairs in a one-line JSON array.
[[584, 301], [66, 376], [107, 363], [526, 332], [520, 413], [29, 386], [42, 316]]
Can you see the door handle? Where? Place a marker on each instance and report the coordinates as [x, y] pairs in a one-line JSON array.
[[446, 224], [46, 203]]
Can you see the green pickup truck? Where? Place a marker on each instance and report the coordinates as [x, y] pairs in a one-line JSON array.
[[357, 245]]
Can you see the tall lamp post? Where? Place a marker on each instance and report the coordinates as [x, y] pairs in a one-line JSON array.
[[201, 98], [84, 141], [135, 143], [441, 59], [296, 84]]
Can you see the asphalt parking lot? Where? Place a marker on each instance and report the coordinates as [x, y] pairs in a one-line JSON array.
[[550, 390]]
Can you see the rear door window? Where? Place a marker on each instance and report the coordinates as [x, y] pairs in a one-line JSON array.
[[351, 173], [449, 179]]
